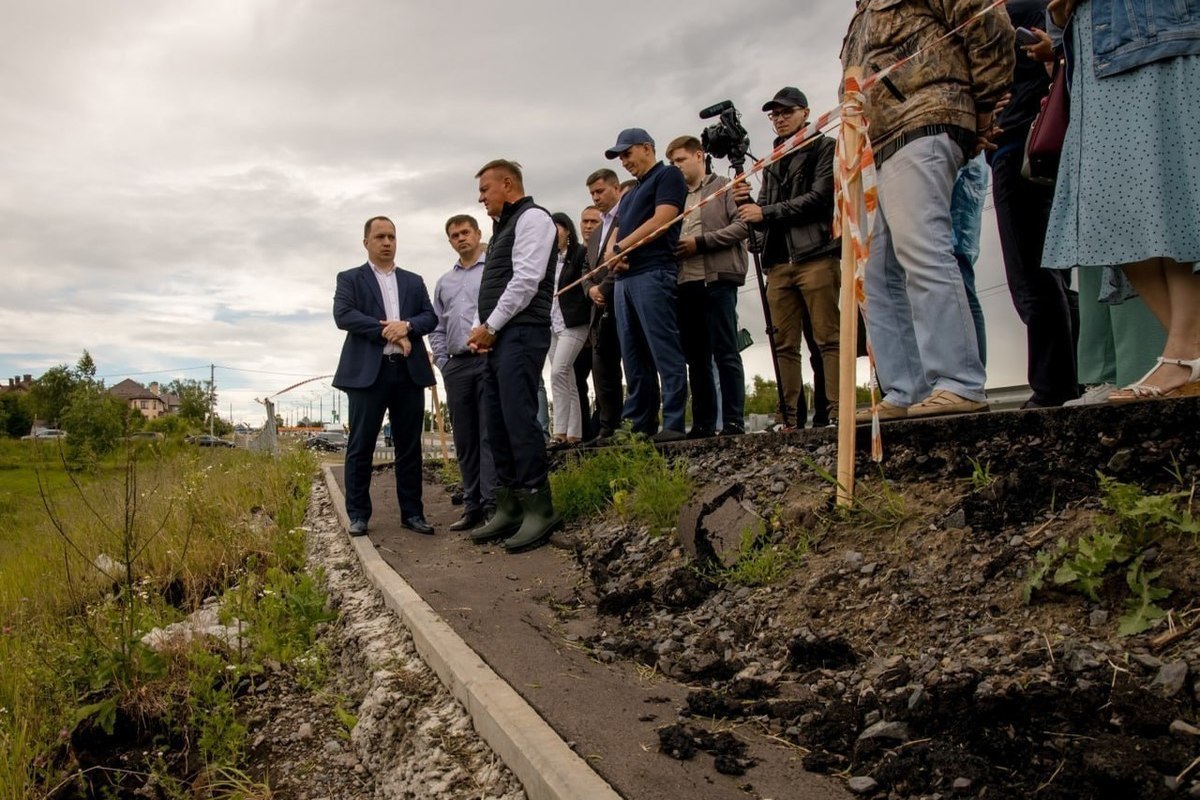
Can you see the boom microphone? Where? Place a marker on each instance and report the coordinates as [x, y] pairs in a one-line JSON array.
[[716, 109]]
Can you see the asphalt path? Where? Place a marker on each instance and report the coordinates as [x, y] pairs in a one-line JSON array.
[[502, 606]]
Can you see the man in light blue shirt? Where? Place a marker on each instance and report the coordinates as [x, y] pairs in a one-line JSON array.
[[455, 301]]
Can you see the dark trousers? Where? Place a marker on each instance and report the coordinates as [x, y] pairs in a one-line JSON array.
[[651, 350], [692, 313], [1039, 295], [606, 371], [404, 401], [721, 299], [464, 377], [583, 368], [510, 394]]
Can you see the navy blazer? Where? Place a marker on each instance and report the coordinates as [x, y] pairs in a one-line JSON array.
[[358, 308]]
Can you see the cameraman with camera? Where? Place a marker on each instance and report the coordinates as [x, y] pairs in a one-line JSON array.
[[794, 213]]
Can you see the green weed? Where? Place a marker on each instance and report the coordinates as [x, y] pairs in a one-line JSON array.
[[1134, 521], [761, 562], [981, 474]]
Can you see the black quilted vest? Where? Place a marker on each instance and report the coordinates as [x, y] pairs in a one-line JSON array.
[[498, 268]]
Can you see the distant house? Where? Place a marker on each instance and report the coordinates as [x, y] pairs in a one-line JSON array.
[[17, 383], [150, 400]]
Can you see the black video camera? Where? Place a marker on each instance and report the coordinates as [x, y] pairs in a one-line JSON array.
[[725, 138]]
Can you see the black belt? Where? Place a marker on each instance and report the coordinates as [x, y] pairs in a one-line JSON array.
[[961, 136], [394, 358], [465, 354]]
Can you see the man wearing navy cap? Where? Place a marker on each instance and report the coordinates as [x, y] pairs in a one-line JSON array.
[[794, 213], [645, 288]]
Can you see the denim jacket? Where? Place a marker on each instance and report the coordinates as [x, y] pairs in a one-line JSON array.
[[1127, 35]]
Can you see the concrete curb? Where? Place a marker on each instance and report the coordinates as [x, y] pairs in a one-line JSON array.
[[541, 760]]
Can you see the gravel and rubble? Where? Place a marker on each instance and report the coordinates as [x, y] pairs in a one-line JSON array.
[[409, 737], [901, 654]]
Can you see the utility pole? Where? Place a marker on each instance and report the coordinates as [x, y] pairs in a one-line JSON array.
[[212, 397]]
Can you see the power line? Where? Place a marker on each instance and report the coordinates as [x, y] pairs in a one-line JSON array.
[[267, 372], [154, 371]]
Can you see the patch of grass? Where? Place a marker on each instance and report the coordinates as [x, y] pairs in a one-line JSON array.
[[630, 476], [654, 497], [768, 553], [451, 474], [132, 545]]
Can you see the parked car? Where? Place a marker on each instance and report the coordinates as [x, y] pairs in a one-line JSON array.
[[326, 441], [45, 433], [145, 436], [204, 440]]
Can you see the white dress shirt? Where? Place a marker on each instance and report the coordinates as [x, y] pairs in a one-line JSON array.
[[391, 300]]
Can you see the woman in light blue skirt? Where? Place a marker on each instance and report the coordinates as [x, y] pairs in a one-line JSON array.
[[1128, 193]]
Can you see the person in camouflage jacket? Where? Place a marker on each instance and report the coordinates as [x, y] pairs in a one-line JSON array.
[[925, 120], [952, 87]]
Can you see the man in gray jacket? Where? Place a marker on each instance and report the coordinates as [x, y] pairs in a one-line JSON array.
[[712, 266]]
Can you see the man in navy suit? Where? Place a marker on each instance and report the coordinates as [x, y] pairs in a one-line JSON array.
[[384, 367]]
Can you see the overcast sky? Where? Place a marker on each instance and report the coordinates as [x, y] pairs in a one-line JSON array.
[[182, 181]]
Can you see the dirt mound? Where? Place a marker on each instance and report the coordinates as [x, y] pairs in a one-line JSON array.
[[901, 651]]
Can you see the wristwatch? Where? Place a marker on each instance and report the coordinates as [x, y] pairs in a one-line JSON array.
[[490, 330]]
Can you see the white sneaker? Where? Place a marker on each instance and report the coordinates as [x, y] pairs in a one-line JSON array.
[[1096, 395]]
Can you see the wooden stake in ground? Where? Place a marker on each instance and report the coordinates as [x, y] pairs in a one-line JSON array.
[[850, 151], [439, 420]]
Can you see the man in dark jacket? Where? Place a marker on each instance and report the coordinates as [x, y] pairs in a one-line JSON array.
[[384, 311], [605, 190], [515, 292], [795, 212]]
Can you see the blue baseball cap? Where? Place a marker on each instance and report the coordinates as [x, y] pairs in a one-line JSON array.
[[627, 139]]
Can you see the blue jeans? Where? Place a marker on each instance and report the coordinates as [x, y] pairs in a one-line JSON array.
[[649, 335], [917, 313], [968, 273]]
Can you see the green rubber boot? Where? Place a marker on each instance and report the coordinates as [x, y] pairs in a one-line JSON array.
[[540, 519], [505, 521]]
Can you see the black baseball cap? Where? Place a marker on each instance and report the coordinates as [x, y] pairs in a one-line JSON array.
[[787, 97]]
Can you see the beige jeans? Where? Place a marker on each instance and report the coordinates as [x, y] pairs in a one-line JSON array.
[[794, 290]]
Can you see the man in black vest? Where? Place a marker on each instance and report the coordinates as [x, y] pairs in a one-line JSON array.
[[515, 294]]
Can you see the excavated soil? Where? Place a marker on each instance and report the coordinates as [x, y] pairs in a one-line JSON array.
[[900, 654]]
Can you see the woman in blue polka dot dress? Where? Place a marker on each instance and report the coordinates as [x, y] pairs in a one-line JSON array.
[[1128, 194]]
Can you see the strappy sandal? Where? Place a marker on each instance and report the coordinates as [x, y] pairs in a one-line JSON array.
[[1143, 391]]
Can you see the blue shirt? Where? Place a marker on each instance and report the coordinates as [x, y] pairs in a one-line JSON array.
[[455, 299], [661, 186]]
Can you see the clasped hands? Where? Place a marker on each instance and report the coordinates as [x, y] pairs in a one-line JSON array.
[[479, 340], [396, 332]]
